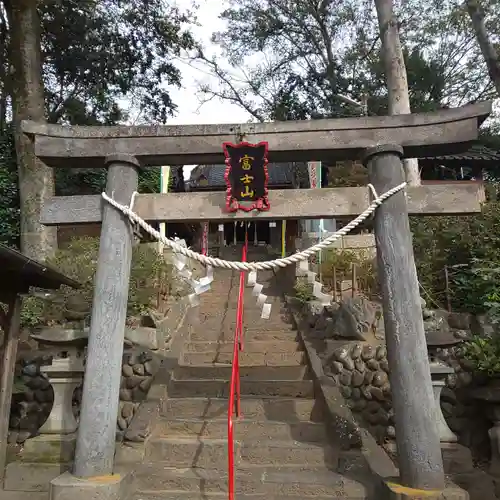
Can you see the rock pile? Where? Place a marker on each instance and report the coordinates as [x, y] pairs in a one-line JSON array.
[[125, 414], [355, 318]]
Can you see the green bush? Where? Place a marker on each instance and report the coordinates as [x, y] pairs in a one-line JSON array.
[[483, 353], [338, 264], [303, 290], [150, 276], [469, 246]]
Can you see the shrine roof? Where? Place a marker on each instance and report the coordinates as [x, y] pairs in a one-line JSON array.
[[476, 153], [18, 273], [280, 174]]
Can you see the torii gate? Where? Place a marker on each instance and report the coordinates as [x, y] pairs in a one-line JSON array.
[[381, 141]]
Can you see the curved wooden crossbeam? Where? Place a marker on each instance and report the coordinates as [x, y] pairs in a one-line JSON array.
[[427, 134]]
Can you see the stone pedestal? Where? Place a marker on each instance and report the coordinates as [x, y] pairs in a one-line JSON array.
[[438, 338], [107, 487], [50, 448], [65, 375], [490, 395], [439, 372]]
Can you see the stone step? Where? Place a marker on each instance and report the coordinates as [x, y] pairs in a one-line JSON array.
[[216, 316], [206, 334], [231, 294], [246, 430], [270, 409], [274, 346], [232, 303], [223, 308], [220, 388], [291, 371], [190, 452], [189, 495], [250, 322], [246, 358], [297, 482], [278, 453], [218, 313]]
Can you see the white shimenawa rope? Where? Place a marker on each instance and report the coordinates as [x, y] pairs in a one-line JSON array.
[[257, 266]]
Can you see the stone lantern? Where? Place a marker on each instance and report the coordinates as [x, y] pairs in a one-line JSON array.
[[439, 373], [65, 374]]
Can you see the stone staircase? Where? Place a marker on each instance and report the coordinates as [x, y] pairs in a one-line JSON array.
[[281, 440]]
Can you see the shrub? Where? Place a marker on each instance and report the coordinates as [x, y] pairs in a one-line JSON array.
[[483, 353], [338, 264], [303, 290], [150, 275], [469, 246]]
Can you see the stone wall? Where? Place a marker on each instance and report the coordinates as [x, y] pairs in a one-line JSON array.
[[31, 407], [350, 341], [144, 345]]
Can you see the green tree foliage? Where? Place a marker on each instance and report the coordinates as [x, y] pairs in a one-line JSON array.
[[97, 53], [104, 61], [9, 193], [78, 181], [470, 248], [299, 60], [299, 74]]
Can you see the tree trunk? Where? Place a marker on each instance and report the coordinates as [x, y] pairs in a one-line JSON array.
[[36, 180], [395, 74], [4, 69], [490, 55]]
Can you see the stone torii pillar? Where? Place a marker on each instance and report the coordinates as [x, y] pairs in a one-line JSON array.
[[419, 450], [95, 448]]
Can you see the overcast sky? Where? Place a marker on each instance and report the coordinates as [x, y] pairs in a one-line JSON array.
[[189, 111]]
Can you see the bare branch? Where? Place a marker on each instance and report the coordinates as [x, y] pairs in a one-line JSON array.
[[235, 95]]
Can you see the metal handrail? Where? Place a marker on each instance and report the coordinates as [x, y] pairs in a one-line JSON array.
[[234, 406]]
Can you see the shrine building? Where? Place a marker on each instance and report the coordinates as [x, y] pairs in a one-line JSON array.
[[260, 233]]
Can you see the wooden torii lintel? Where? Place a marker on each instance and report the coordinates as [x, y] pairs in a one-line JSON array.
[[437, 199], [427, 134]]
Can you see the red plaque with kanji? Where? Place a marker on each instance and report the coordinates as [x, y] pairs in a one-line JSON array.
[[246, 176]]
